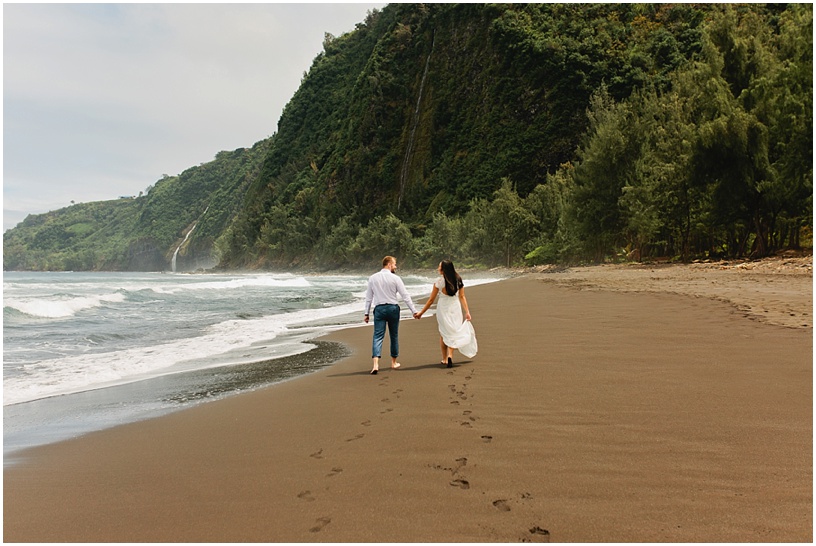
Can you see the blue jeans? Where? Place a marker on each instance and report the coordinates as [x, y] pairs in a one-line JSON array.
[[386, 314]]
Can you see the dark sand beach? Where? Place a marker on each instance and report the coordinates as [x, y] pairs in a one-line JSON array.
[[623, 404]]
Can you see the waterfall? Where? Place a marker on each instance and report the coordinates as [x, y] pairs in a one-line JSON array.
[[175, 254], [414, 122]]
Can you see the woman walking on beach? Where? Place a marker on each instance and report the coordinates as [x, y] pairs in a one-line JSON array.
[[454, 331]]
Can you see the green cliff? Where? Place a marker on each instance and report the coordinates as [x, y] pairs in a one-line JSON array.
[[494, 134]]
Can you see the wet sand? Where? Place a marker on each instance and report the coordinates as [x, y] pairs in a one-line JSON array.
[[591, 413]]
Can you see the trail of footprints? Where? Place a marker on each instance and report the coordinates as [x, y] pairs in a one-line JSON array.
[[395, 394], [306, 495], [458, 396]]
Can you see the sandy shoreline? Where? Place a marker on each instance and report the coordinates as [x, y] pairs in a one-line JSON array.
[[776, 290], [59, 418], [589, 415]]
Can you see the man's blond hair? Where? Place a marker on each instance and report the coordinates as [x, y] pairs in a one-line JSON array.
[[387, 260]]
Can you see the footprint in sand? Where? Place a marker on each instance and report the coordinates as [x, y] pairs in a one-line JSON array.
[[387, 410], [501, 505], [463, 484], [466, 424], [539, 535], [334, 472], [487, 438], [356, 437], [462, 461], [317, 454], [306, 495], [366, 423], [321, 523]]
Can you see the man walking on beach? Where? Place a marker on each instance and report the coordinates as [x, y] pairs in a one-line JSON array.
[[383, 290]]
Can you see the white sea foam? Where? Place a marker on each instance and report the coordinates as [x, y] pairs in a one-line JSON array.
[[227, 342], [60, 307], [241, 282]]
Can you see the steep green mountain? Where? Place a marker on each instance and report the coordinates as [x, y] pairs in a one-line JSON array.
[[141, 233], [495, 133], [502, 134]]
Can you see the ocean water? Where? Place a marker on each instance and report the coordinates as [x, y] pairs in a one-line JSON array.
[[85, 351]]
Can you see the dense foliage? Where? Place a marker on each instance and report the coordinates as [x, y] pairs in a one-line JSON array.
[[140, 233], [540, 133], [509, 134]]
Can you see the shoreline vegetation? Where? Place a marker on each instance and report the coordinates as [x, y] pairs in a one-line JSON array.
[[494, 134], [677, 393]]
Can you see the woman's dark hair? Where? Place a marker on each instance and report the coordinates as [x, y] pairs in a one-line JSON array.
[[453, 282]]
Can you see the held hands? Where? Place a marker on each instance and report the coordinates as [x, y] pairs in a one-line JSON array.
[[416, 316]]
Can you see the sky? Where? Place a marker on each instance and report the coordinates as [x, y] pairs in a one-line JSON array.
[[102, 100]]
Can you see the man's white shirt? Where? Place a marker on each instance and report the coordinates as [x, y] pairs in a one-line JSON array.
[[385, 287]]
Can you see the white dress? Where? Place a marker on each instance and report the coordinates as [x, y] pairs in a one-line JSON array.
[[455, 331]]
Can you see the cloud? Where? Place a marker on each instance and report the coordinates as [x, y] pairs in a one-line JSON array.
[[101, 100]]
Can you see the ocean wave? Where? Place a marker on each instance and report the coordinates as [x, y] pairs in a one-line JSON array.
[[226, 343], [246, 337], [251, 282], [59, 308]]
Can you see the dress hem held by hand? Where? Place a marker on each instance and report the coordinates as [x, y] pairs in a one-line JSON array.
[[455, 331]]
